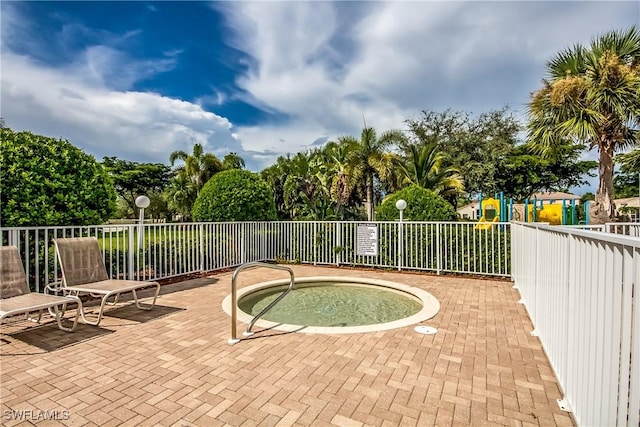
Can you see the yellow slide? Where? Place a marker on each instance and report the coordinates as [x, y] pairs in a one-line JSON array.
[[483, 224], [490, 214]]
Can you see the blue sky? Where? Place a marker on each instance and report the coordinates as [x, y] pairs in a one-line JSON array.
[[138, 80]]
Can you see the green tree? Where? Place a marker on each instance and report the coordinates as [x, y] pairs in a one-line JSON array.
[[626, 182], [368, 160], [301, 185], [275, 176], [306, 188], [47, 181], [525, 173], [235, 195], [341, 182], [189, 177], [232, 161], [132, 179], [588, 196], [422, 205], [477, 147], [629, 162], [592, 97], [181, 195], [424, 168], [198, 166]]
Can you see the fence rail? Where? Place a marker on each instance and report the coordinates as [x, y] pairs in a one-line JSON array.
[[156, 251], [580, 289], [624, 228]]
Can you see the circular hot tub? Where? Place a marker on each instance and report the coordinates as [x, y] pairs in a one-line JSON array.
[[335, 305]]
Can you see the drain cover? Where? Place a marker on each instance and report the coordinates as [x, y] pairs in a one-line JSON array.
[[427, 330]]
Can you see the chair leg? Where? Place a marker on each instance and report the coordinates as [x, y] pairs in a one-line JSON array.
[[64, 309], [52, 313], [153, 303], [50, 291], [34, 320], [103, 302]]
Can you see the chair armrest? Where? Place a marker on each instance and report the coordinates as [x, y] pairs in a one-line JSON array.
[[54, 288]]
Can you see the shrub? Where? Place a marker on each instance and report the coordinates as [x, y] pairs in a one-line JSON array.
[[48, 181], [235, 195], [422, 205]]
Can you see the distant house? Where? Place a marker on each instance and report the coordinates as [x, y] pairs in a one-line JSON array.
[[555, 197], [629, 202], [469, 211], [628, 206]]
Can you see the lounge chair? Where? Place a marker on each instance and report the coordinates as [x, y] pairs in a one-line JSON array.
[[16, 297], [84, 272]]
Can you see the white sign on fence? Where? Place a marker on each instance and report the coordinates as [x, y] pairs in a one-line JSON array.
[[367, 240]]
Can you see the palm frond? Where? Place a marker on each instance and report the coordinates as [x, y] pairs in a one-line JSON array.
[[177, 155], [570, 61]]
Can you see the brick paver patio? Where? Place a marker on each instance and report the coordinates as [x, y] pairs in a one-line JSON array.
[[173, 366]]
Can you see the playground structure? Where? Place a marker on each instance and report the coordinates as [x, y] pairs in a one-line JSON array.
[[498, 209], [491, 211]]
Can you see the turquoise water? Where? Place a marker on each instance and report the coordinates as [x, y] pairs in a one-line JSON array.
[[332, 304]]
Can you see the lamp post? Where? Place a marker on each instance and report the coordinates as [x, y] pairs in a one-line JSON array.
[[142, 202], [401, 205]]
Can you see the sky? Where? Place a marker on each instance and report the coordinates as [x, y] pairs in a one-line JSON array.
[[138, 80]]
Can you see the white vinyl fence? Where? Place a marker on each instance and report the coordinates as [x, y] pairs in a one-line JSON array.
[[581, 291], [166, 250], [624, 228]]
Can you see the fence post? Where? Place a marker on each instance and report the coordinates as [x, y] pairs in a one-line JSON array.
[[243, 243], [315, 243], [201, 232], [438, 252], [131, 251], [400, 246], [13, 238], [338, 242]]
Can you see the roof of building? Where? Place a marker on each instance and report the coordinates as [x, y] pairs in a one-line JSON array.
[[554, 195], [472, 205], [632, 202]]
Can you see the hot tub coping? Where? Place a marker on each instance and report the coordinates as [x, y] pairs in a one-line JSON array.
[[430, 306]]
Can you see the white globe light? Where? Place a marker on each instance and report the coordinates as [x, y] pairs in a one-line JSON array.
[[401, 205], [143, 202]]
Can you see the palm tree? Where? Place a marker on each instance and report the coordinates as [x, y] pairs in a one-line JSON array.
[[199, 166], [181, 194], [275, 176], [302, 186], [424, 168], [339, 180], [592, 97], [368, 160], [630, 161], [233, 161]]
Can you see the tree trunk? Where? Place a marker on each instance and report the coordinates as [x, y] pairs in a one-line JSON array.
[[369, 202], [605, 210]]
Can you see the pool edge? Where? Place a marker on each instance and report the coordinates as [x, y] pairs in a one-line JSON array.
[[430, 306]]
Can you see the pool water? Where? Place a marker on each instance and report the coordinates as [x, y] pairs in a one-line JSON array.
[[332, 304]]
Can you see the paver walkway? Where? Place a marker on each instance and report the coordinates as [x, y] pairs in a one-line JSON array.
[[173, 366]]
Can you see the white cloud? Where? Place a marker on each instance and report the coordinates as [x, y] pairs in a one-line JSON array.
[[324, 66], [403, 57], [88, 100], [105, 122]]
